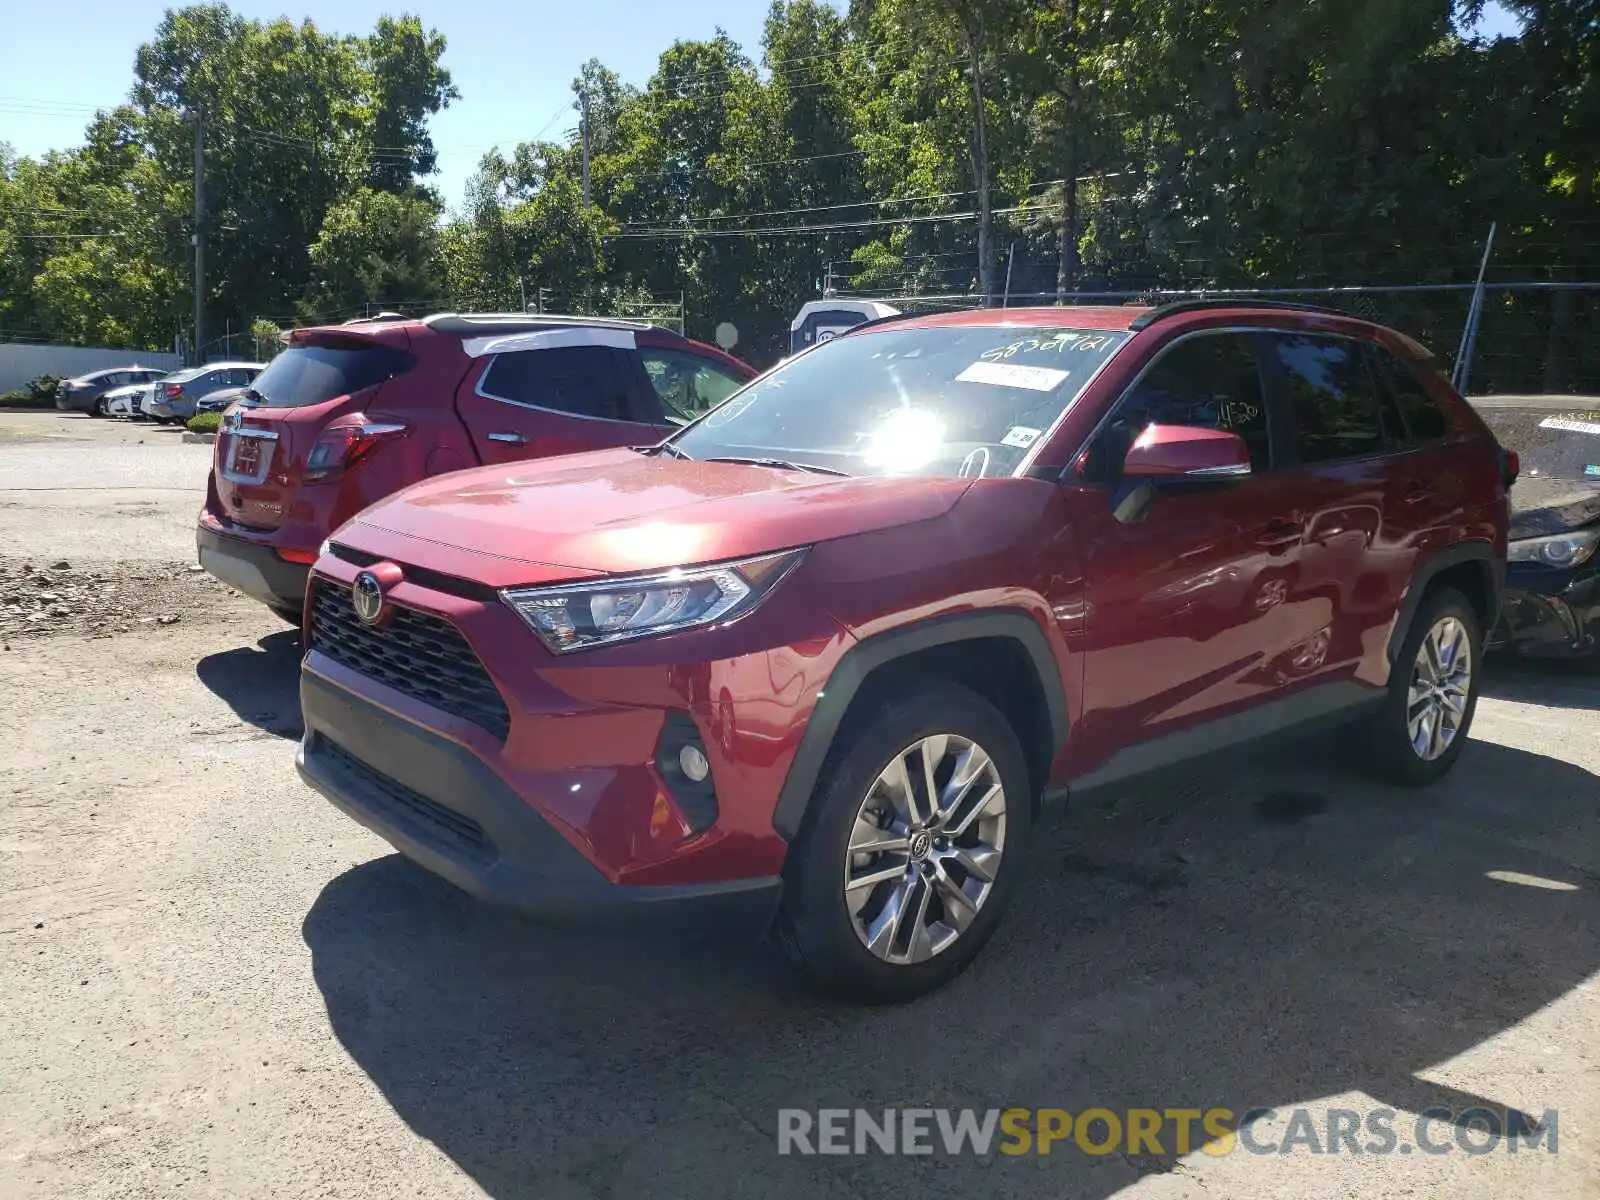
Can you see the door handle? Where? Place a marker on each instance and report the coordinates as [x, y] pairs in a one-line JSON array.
[[501, 435]]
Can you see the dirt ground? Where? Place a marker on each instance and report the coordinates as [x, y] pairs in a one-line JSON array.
[[216, 985]]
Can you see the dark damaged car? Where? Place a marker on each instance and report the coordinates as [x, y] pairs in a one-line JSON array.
[[1552, 599]]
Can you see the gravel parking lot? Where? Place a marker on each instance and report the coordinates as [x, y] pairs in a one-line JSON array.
[[218, 986]]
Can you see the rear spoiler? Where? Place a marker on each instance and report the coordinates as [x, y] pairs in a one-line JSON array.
[[340, 337]]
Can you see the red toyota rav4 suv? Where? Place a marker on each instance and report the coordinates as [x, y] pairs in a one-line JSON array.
[[348, 414], [814, 662]]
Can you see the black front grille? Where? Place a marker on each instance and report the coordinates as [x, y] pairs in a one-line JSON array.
[[438, 823], [423, 656]]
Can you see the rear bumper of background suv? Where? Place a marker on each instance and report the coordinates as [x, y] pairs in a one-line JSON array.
[[442, 807], [255, 568]]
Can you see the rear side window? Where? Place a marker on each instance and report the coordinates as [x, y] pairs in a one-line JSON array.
[[582, 381], [1425, 420], [1211, 381], [1331, 397], [304, 375]]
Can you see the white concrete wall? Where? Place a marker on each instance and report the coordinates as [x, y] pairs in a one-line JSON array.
[[21, 362]]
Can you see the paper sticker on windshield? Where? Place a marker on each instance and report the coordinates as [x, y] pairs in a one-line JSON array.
[[1035, 379], [1021, 437], [1571, 425]]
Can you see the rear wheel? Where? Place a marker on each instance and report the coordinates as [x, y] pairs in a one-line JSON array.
[[911, 848], [1422, 727]]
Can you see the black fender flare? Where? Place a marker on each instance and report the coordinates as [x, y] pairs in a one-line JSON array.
[[862, 659], [1435, 564]]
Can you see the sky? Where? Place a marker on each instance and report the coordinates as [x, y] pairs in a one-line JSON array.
[[513, 63]]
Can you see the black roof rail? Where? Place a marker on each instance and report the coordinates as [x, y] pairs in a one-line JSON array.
[[1145, 320], [491, 323], [874, 322]]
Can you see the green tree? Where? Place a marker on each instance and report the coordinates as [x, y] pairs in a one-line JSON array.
[[408, 85], [374, 248]]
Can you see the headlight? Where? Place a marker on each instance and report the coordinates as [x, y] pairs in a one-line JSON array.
[[579, 615], [326, 548], [1557, 550]]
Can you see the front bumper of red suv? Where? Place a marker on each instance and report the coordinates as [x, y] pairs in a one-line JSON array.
[[544, 783], [440, 805]]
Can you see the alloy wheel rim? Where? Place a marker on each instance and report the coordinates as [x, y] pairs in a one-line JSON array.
[[1441, 685], [925, 849]]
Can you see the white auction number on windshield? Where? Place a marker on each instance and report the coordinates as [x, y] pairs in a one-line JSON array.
[[1060, 343]]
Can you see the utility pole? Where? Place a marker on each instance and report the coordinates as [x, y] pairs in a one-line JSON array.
[[198, 117], [583, 100]]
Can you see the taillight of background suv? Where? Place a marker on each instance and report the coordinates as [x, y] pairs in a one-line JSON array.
[[345, 441]]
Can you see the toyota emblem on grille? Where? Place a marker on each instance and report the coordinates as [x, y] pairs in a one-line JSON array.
[[366, 593]]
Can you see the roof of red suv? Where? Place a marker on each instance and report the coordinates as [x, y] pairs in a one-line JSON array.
[[1183, 314], [484, 325]]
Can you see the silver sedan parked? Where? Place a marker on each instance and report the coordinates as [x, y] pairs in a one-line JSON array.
[[176, 396]]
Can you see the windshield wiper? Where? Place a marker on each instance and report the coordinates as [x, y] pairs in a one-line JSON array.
[[666, 448], [778, 463]]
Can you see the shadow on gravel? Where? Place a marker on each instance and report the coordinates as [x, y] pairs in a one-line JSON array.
[[1264, 936], [1554, 683], [261, 683]]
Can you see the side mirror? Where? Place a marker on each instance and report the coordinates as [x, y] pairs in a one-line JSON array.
[[1187, 452]]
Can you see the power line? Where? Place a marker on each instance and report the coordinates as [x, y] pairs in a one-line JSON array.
[[688, 231], [42, 102], [784, 212], [744, 166], [43, 212]]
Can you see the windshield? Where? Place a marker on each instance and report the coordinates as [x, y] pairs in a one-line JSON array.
[[965, 400], [1556, 439]]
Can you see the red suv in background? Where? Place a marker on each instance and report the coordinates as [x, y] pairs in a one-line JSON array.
[[347, 414], [814, 662]]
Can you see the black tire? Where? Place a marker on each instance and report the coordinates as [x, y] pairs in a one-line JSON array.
[[98, 408], [291, 615], [1385, 735], [814, 926]]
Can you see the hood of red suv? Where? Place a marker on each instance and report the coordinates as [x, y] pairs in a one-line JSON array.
[[617, 511]]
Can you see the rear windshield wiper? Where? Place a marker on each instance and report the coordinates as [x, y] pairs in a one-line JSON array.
[[778, 463]]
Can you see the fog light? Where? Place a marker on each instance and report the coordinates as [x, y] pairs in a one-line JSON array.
[[692, 762], [685, 769]]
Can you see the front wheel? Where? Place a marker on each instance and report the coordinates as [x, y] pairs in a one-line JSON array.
[[1422, 726], [911, 849]]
